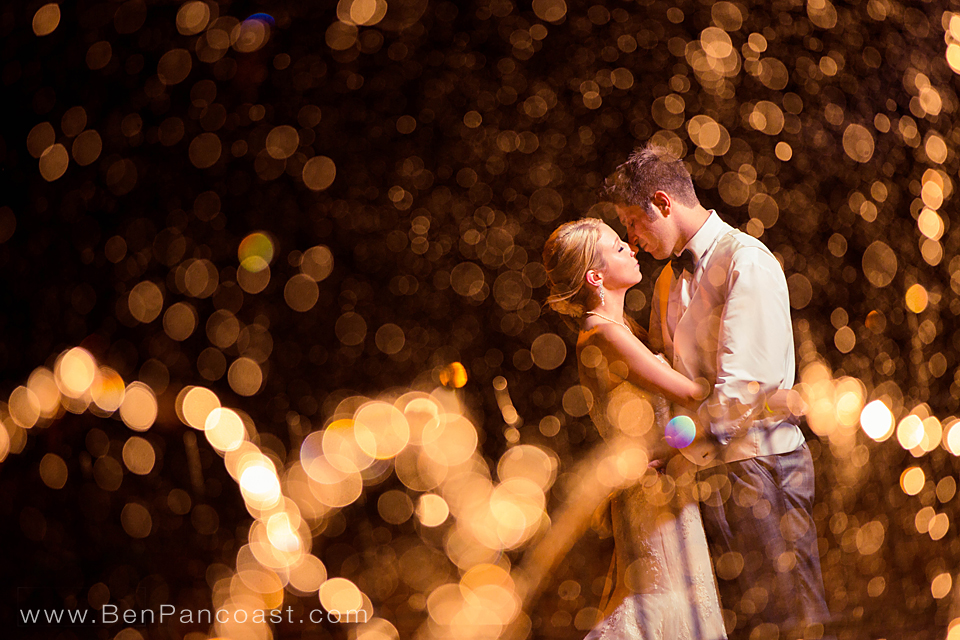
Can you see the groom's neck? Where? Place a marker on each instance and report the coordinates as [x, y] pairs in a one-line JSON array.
[[690, 220]]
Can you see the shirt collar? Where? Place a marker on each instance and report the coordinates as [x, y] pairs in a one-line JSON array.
[[706, 236]]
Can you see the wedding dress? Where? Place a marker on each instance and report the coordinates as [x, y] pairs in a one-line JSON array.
[[664, 587]]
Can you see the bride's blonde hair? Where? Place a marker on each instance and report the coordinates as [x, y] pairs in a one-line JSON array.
[[572, 250]]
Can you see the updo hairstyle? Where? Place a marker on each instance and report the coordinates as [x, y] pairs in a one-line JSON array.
[[570, 251]]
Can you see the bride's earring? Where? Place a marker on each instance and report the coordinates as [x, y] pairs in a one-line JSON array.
[[600, 291]]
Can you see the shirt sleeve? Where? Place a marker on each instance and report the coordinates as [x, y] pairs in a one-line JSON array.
[[755, 343]]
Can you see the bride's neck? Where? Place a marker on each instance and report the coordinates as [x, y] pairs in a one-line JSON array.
[[612, 306]]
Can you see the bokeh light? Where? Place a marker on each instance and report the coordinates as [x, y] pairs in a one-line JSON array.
[[145, 301], [432, 510], [53, 471], [139, 455], [255, 252], [340, 594], [912, 480], [381, 430], [194, 405], [454, 375], [136, 519], [138, 410], [245, 376], [46, 19], [42, 382], [877, 421], [224, 429], [54, 162], [260, 486]]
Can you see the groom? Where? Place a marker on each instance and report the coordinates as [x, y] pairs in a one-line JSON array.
[[726, 319]]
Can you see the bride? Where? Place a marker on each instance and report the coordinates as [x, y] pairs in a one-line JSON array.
[[664, 585]]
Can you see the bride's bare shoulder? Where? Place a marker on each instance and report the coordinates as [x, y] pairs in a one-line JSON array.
[[608, 336], [594, 333], [588, 334], [595, 342], [608, 348]]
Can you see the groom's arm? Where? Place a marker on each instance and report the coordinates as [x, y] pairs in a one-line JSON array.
[[754, 344]]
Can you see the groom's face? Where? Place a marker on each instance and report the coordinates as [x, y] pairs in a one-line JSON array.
[[648, 230]]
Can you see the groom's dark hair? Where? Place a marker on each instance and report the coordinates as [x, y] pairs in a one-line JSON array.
[[649, 169]]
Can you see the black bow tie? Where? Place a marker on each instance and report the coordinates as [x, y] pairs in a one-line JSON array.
[[681, 263]]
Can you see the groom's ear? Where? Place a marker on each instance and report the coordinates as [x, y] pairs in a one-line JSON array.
[[663, 202], [594, 278]]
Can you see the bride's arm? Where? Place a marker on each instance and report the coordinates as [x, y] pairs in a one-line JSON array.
[[786, 402], [641, 367]]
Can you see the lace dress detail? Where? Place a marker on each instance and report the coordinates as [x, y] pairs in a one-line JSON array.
[[665, 587]]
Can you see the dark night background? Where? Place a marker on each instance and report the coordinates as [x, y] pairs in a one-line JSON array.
[[462, 134]]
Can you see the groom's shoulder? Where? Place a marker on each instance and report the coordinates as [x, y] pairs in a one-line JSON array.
[[738, 241], [738, 250]]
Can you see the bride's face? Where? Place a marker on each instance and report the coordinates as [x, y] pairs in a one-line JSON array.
[[622, 269]]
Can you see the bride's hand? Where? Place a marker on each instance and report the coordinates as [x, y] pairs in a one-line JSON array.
[[787, 402], [660, 454]]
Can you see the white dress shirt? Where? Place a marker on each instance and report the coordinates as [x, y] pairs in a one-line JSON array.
[[729, 323]]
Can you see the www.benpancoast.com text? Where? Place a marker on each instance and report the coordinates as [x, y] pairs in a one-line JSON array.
[[167, 613]]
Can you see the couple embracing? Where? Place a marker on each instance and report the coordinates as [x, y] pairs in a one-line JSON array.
[[721, 316]]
